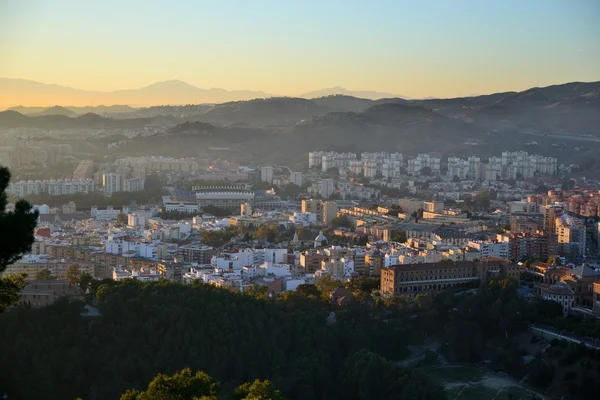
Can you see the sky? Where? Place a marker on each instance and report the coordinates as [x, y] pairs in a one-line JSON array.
[[443, 48]]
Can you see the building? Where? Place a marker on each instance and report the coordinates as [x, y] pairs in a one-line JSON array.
[[560, 293], [296, 178], [246, 209], [491, 248], [84, 170], [195, 254], [596, 297], [436, 207], [111, 183], [133, 185], [42, 293], [571, 234], [51, 187], [327, 188], [526, 222], [329, 210], [532, 245], [266, 174], [231, 200], [107, 215], [410, 280]]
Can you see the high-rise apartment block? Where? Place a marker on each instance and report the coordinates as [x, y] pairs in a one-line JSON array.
[[296, 178], [327, 188], [51, 187], [266, 174], [111, 183]]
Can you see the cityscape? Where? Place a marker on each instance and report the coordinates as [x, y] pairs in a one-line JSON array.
[[434, 235]]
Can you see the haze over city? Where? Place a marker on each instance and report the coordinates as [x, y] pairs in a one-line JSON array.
[[409, 49], [300, 200]]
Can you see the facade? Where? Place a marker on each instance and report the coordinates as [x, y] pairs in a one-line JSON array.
[[197, 254], [571, 234], [40, 293], [327, 188], [560, 293], [84, 170], [266, 174], [296, 178], [528, 245], [499, 249], [51, 187], [329, 211], [230, 200], [411, 280], [133, 185], [111, 183]]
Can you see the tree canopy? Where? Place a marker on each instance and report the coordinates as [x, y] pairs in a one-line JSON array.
[[16, 227]]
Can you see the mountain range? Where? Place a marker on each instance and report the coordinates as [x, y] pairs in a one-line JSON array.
[[175, 92], [281, 128], [20, 91]]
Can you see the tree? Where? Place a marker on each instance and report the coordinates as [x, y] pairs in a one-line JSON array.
[[16, 227], [326, 284], [85, 282], [308, 290], [10, 287], [122, 218], [73, 274], [399, 236], [341, 220], [182, 385], [44, 275], [257, 390]]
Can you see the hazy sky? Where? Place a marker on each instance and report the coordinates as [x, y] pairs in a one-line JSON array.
[[413, 48]]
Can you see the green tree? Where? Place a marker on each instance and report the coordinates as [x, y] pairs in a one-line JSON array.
[[257, 390], [326, 284], [10, 287], [16, 227], [399, 236], [308, 290], [85, 282], [341, 221], [44, 275], [183, 385], [122, 218], [16, 238], [73, 274]]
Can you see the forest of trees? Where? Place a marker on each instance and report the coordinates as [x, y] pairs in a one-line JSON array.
[[151, 328]]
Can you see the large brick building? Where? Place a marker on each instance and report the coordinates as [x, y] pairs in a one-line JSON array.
[[411, 280]]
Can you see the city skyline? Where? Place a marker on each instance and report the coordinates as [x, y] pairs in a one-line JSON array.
[[438, 49]]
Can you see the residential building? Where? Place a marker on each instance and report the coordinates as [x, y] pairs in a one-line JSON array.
[[133, 185], [266, 174], [111, 183], [195, 253], [571, 235], [329, 209], [42, 293], [296, 178], [410, 280], [327, 188]]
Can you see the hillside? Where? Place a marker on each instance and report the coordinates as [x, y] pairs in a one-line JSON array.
[[276, 111]]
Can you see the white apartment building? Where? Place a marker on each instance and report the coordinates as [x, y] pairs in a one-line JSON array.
[[327, 188], [51, 187], [491, 248], [266, 174], [111, 183], [296, 178], [133, 185]]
